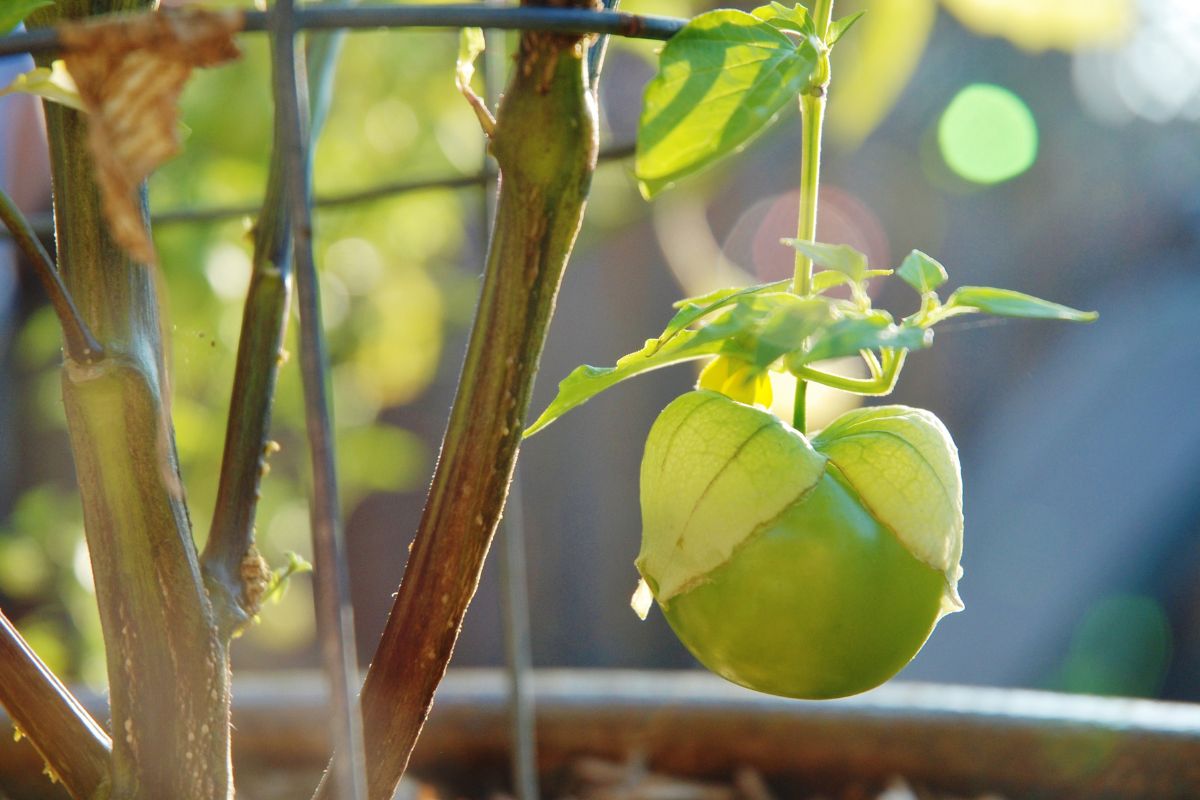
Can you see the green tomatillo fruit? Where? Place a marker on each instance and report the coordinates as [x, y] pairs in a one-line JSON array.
[[805, 569]]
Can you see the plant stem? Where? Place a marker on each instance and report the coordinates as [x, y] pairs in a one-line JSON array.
[[81, 345], [73, 744], [545, 145], [167, 668], [812, 115], [230, 543]]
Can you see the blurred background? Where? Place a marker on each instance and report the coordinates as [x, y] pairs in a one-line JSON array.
[[1048, 147]]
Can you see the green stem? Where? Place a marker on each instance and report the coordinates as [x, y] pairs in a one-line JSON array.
[[880, 384], [812, 114], [81, 345], [168, 673]]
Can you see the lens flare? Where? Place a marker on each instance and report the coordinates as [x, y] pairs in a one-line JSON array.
[[987, 134]]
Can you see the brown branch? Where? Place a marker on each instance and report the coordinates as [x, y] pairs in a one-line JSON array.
[[73, 744], [546, 145]]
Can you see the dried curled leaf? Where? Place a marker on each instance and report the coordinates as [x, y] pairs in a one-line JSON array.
[[130, 73]]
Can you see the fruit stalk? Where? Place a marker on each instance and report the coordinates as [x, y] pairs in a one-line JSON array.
[[812, 114]]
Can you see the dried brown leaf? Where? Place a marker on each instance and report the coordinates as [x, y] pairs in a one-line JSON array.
[[130, 73]]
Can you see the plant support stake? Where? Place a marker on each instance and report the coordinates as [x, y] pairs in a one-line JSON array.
[[335, 620]]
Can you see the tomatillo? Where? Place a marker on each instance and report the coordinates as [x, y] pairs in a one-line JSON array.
[[805, 569]]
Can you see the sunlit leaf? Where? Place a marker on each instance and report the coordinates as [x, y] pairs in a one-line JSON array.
[[50, 83], [840, 257], [720, 81], [838, 28], [850, 335], [693, 309], [14, 13], [777, 15], [586, 382], [1007, 303], [758, 329], [826, 279], [470, 44], [922, 272]]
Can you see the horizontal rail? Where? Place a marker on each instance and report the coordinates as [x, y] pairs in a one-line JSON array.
[[43, 224], [557, 20], [964, 740]]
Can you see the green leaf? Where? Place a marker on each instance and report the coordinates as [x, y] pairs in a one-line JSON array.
[[840, 257], [789, 321], [720, 81], [470, 44], [758, 329], [1007, 303], [903, 464], [586, 382], [922, 272], [848, 336], [838, 28], [694, 309], [827, 279], [51, 83], [15, 12], [779, 16]]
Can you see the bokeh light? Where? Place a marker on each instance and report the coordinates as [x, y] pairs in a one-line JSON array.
[[987, 134]]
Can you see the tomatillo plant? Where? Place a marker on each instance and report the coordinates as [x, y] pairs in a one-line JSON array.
[[806, 567]]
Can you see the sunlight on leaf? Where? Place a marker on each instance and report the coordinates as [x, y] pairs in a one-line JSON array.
[[1007, 303], [50, 83], [720, 81], [15, 11], [922, 272]]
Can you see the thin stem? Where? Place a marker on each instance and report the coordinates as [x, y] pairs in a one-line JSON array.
[[73, 744], [334, 614], [812, 114], [81, 345], [230, 547], [893, 361]]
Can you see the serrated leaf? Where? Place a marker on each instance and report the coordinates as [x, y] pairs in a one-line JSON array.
[[838, 28], [51, 83], [1007, 303], [840, 257], [848, 336], [922, 272], [471, 43], [786, 19], [720, 81], [693, 309], [903, 464], [712, 472], [15, 12]]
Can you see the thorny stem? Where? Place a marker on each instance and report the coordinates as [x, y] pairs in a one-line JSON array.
[[812, 113], [81, 345]]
